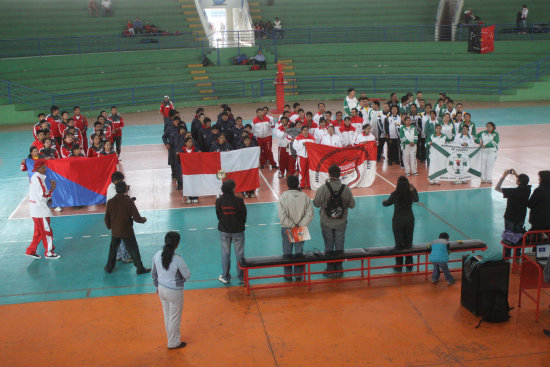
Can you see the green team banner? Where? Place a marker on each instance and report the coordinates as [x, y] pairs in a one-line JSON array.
[[454, 162]]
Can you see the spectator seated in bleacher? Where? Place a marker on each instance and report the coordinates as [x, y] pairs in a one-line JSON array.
[[138, 26], [259, 59], [130, 28], [93, 8], [107, 7]]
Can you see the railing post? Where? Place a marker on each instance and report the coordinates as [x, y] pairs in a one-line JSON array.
[[458, 84], [118, 43], [532, 33], [332, 85], [78, 42], [309, 35], [416, 84], [252, 89], [275, 49], [53, 99], [244, 89], [374, 84], [537, 72], [173, 94], [133, 99], [238, 42], [384, 33], [9, 92], [39, 48], [218, 50], [261, 88], [92, 100], [500, 85]]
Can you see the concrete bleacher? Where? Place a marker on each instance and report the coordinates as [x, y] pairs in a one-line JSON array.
[[504, 12], [349, 13], [65, 18]]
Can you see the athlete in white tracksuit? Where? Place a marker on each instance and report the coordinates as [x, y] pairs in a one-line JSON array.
[[39, 195], [409, 138], [489, 141]]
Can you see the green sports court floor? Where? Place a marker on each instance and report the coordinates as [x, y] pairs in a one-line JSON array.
[[82, 239]]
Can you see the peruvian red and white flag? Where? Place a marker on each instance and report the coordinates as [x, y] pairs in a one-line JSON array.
[[357, 163], [203, 173]]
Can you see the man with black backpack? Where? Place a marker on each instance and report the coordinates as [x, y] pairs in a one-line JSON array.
[[334, 198]]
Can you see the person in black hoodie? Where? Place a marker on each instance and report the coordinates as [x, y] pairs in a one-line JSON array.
[[236, 135], [167, 140], [403, 218], [221, 144], [225, 124], [196, 124], [211, 138], [231, 213], [539, 203], [204, 132]]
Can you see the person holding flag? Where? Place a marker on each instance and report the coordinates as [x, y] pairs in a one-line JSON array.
[[39, 195]]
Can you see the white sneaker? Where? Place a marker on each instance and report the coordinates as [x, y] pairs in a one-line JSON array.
[[195, 201], [407, 174], [245, 195], [223, 280], [437, 182], [415, 174], [188, 201], [58, 209], [34, 256], [252, 195], [280, 175], [52, 256]]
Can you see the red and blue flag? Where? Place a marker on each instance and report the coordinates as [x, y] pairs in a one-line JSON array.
[[80, 181]]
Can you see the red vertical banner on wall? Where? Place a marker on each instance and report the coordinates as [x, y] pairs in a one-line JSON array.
[[487, 39]]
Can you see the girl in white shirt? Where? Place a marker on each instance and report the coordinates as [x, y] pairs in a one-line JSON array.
[[169, 276]]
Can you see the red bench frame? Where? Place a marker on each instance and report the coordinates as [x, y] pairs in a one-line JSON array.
[[308, 273], [531, 272]]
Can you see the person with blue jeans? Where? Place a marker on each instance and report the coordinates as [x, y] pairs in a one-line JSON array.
[[295, 210], [334, 222], [439, 257], [231, 213]]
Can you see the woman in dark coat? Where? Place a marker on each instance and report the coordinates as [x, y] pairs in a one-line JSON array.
[[539, 203], [403, 218]]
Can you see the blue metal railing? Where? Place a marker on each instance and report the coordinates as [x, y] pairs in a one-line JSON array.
[[390, 33], [332, 85]]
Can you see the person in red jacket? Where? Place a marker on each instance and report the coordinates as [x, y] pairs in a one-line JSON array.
[[54, 119], [81, 123], [96, 148], [66, 148], [299, 144], [165, 107], [106, 127], [117, 123], [39, 142], [41, 124], [261, 128]]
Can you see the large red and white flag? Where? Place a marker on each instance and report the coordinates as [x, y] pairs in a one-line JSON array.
[[203, 173], [357, 163]]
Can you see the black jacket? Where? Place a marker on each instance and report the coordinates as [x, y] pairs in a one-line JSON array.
[[539, 203], [402, 212], [231, 213]]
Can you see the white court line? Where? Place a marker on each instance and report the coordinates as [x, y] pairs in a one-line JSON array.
[[383, 178], [268, 185], [17, 207]]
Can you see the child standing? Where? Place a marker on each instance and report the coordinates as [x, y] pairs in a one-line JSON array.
[[439, 257]]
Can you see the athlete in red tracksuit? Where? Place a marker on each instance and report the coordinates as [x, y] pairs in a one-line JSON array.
[[40, 212], [81, 123], [117, 123], [303, 162], [54, 119], [261, 128], [282, 143], [165, 107]]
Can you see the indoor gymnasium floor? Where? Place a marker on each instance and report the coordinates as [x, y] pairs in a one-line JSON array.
[[70, 312]]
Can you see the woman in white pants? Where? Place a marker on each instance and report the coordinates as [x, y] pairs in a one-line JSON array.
[[488, 140], [169, 275]]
